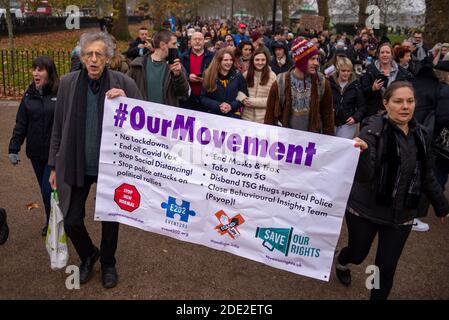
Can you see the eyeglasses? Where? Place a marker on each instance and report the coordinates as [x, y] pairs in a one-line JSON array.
[[98, 55]]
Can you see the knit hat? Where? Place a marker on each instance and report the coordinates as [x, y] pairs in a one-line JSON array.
[[302, 50], [255, 36]]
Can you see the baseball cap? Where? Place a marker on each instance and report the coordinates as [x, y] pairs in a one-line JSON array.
[[242, 26]]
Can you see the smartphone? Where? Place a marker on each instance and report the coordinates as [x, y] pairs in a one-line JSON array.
[[200, 75], [384, 78], [172, 55]]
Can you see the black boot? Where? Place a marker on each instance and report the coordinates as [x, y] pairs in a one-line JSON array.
[[4, 230], [87, 266], [343, 275]]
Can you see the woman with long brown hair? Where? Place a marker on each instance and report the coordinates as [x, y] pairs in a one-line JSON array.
[[259, 79], [222, 83]]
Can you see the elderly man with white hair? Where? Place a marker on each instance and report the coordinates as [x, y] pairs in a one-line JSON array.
[[75, 149]]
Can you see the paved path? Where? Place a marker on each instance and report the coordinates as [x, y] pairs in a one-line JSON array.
[[157, 267]]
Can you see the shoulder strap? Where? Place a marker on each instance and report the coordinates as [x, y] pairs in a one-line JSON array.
[[280, 78]]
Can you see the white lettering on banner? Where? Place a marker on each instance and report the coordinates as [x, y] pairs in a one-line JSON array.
[[269, 194]]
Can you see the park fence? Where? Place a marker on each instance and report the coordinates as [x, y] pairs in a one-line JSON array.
[[16, 67]]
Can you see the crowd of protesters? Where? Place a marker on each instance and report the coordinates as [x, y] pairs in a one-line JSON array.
[[391, 98]]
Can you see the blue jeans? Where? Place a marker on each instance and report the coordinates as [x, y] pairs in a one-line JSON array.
[[42, 171]]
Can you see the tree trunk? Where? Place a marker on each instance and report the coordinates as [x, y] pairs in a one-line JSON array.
[[120, 25], [437, 23], [5, 4], [323, 11], [285, 12], [363, 4]]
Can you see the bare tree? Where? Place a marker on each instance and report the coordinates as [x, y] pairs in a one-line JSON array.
[[120, 26], [323, 10], [363, 4], [285, 7], [437, 22]]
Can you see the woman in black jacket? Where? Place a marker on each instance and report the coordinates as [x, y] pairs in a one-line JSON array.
[[349, 104], [34, 122], [222, 83], [379, 75], [394, 171]]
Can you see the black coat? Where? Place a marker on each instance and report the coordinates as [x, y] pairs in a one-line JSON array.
[[275, 66], [364, 190], [348, 102], [374, 98], [133, 50], [427, 90], [34, 122], [442, 119], [211, 100]]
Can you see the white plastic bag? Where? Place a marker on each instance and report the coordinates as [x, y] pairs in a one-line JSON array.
[[56, 240]]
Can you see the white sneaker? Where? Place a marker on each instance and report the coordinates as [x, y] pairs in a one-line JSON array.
[[418, 225]]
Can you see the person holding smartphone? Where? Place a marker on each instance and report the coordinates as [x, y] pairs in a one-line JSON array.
[[160, 76], [379, 75]]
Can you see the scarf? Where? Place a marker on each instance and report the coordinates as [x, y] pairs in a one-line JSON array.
[[281, 61], [75, 157], [390, 168]]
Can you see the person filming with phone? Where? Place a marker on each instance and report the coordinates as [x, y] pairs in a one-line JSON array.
[[160, 76], [378, 77]]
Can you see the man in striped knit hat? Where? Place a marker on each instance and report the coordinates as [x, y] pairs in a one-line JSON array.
[[301, 98]]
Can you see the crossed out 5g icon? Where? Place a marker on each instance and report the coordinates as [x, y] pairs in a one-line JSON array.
[[73, 280]]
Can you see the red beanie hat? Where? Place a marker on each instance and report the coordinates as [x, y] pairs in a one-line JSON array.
[[302, 50]]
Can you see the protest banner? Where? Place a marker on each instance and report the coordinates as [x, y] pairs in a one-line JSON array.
[[266, 193], [311, 22]]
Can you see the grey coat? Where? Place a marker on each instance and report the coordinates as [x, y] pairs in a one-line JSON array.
[[63, 110]]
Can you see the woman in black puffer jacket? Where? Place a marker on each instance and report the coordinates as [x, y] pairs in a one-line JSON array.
[[394, 171], [348, 100], [34, 123]]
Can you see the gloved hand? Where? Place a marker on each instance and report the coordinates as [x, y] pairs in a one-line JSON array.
[[14, 158]]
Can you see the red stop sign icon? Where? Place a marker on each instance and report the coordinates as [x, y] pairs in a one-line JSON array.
[[127, 197]]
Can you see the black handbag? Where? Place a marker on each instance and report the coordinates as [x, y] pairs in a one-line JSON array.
[[441, 143]]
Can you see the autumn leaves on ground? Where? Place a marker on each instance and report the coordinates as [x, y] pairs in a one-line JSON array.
[[58, 40]]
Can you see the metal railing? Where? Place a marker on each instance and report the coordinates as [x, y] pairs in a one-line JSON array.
[[15, 68]]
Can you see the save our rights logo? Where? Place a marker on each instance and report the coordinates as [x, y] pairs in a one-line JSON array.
[[287, 242]]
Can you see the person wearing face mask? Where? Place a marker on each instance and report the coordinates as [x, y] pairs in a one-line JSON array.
[[222, 83], [301, 98], [349, 103], [34, 123], [393, 172], [379, 75], [259, 79]]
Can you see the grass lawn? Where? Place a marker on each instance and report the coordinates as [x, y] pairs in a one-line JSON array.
[[58, 45]]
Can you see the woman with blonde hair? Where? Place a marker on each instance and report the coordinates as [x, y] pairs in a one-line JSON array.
[[349, 103], [222, 83], [259, 79]]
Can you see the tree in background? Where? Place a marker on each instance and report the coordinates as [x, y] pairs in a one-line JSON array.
[[437, 22], [323, 10], [120, 21]]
